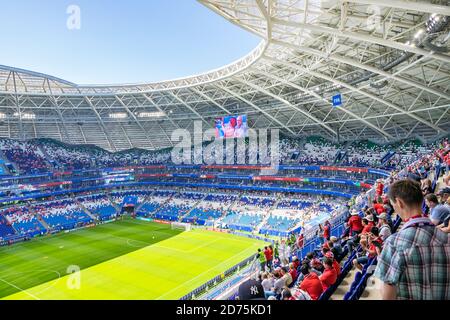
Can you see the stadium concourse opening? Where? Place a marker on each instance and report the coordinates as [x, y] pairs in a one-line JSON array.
[[321, 172]]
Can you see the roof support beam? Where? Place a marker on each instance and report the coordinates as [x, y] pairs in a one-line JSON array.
[[362, 37], [135, 119], [102, 124], [329, 102], [419, 6], [209, 99], [284, 101], [189, 107], [352, 88], [341, 59], [238, 96]]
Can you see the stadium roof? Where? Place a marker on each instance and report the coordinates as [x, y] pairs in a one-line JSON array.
[[388, 59]]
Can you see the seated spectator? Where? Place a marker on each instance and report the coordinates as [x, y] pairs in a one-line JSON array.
[[368, 224], [336, 264], [384, 227], [311, 282], [409, 266], [372, 247], [295, 262], [300, 294], [427, 187], [438, 212], [445, 227], [335, 247], [293, 272], [444, 194], [287, 295], [329, 276], [267, 281]]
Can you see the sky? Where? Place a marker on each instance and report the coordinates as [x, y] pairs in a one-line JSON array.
[[117, 41]]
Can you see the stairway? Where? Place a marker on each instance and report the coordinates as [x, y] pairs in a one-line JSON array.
[[373, 289], [143, 202], [267, 215], [85, 210], [344, 286], [193, 207], [42, 221], [47, 157], [108, 195]]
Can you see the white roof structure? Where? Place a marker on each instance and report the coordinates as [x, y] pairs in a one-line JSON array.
[[389, 60]]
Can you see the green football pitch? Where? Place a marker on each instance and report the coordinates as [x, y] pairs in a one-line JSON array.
[[129, 259]]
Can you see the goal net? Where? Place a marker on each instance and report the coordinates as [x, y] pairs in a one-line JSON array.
[[181, 226]]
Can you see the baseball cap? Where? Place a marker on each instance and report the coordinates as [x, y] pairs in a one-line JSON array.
[[382, 216], [251, 290], [333, 239], [354, 213], [445, 190], [369, 218], [329, 254]]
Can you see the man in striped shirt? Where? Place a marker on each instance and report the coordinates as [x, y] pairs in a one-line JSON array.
[[415, 261]]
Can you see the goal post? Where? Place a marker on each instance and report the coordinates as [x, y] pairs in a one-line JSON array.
[[180, 226]]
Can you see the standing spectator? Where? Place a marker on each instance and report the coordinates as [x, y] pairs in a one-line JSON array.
[[300, 241], [415, 261], [319, 234], [326, 230], [438, 212], [276, 252], [268, 254], [355, 223], [262, 260]]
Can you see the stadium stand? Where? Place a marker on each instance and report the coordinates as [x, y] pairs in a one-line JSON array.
[[62, 214]]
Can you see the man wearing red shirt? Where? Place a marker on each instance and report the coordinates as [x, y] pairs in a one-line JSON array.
[[300, 241], [326, 230], [311, 283], [268, 253], [368, 224], [336, 264], [380, 187], [355, 223], [379, 208], [293, 272], [329, 276]]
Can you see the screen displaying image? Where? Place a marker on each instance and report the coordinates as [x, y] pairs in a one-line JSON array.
[[231, 127]]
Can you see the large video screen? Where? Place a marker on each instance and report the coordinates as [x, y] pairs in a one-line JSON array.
[[231, 127]]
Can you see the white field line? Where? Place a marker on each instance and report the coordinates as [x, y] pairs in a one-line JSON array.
[[195, 278], [20, 289]]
